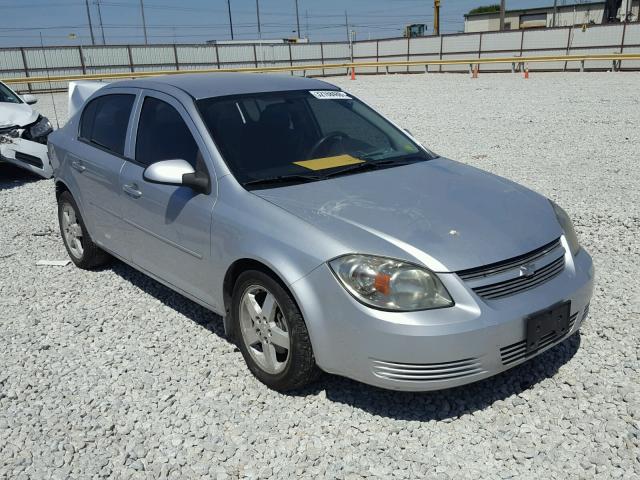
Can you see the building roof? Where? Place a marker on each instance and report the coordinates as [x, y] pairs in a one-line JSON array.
[[535, 9], [206, 85]]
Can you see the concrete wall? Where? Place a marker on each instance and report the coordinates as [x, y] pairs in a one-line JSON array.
[[78, 60]]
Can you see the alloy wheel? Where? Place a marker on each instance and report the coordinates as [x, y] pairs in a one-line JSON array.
[[264, 329], [72, 230]]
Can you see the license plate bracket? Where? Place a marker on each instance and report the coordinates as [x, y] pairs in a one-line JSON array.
[[541, 325]]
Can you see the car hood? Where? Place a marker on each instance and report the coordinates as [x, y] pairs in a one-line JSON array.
[[442, 213], [16, 114]]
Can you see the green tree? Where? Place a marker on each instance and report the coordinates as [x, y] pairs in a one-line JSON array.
[[485, 9]]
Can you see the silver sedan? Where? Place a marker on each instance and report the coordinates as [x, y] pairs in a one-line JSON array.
[[327, 237]]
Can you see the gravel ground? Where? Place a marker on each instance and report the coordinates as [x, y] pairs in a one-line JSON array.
[[109, 374]]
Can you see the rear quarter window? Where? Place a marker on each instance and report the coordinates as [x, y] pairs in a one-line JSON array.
[[105, 120]]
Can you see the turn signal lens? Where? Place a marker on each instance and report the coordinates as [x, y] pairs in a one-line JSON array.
[[390, 284]]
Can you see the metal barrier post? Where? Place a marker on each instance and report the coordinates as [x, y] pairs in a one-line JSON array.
[[130, 58], [568, 46], [26, 68], [81, 53]]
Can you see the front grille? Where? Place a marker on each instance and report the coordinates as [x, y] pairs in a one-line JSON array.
[[428, 372], [518, 351], [506, 278], [505, 265], [519, 284]]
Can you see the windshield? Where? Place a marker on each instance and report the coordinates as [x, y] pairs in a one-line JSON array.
[[7, 96], [293, 137]]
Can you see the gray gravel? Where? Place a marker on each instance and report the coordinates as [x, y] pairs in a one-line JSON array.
[[109, 374]]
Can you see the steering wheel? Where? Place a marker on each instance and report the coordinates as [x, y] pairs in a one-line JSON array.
[[333, 136]]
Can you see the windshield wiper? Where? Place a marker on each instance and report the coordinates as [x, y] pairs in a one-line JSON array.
[[280, 179], [366, 166]]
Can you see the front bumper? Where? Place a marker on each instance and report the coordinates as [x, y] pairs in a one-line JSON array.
[[433, 349], [26, 154]]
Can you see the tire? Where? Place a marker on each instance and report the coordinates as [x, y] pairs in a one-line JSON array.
[[85, 253], [299, 368]]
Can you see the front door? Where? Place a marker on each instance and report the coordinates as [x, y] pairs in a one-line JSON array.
[[169, 227]]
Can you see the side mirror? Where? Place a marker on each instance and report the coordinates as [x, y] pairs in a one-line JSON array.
[[179, 173], [29, 99]]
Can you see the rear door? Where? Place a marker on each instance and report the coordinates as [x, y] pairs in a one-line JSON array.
[[169, 227], [97, 161]]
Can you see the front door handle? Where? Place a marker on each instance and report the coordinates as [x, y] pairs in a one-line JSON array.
[[77, 165], [132, 190]]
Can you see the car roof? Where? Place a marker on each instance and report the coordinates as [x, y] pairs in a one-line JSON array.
[[207, 85]]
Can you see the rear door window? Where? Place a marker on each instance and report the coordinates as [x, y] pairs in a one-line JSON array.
[[105, 120]]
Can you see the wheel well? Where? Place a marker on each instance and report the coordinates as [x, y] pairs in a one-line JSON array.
[[236, 269], [60, 189]]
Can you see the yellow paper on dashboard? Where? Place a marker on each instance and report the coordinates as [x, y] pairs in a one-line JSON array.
[[329, 162]]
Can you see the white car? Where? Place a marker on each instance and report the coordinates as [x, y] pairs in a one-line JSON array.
[[23, 133]]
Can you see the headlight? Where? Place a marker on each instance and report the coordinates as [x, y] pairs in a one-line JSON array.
[[390, 284], [41, 128], [567, 226]]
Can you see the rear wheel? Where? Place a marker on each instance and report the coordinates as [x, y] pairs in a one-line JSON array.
[[80, 247], [271, 333]]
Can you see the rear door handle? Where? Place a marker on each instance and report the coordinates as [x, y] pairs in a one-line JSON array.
[[77, 165], [132, 190]]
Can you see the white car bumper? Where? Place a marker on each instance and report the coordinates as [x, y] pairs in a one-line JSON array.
[[26, 154]]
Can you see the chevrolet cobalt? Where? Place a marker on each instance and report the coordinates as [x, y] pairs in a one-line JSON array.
[[327, 237]]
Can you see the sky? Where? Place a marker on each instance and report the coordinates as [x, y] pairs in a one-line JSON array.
[[196, 21]]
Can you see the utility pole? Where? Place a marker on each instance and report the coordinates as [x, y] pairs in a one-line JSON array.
[[297, 19], [306, 18], [555, 13], [93, 39], [346, 24], [501, 15], [104, 42], [230, 21], [144, 23], [258, 14], [436, 17]]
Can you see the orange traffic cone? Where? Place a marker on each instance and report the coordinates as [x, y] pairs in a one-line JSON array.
[[353, 73]]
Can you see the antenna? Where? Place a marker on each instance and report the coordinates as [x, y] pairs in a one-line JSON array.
[[46, 67]]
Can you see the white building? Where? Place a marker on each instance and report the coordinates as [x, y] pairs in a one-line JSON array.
[[566, 15]]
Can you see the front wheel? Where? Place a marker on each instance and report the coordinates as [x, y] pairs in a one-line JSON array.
[[271, 333]]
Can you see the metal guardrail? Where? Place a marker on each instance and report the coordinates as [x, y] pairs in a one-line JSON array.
[[614, 57]]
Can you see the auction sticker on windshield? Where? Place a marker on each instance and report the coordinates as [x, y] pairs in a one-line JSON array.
[[329, 94]]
